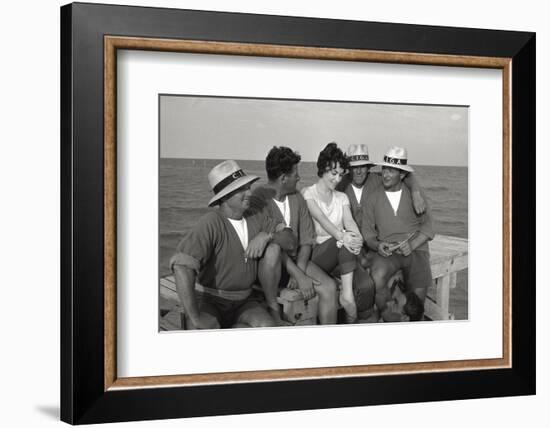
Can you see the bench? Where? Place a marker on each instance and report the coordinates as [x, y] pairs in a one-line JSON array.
[[448, 255]]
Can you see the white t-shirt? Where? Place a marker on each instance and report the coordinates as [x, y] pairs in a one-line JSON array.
[[358, 192], [284, 208], [334, 211], [241, 228], [394, 198]]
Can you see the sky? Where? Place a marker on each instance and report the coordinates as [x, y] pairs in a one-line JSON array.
[[244, 128]]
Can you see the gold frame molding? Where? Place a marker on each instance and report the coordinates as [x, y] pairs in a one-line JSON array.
[[113, 43]]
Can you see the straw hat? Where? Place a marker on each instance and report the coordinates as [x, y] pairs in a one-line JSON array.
[[396, 157], [358, 154], [226, 177]]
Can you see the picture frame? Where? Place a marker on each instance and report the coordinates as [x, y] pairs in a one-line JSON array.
[[91, 392]]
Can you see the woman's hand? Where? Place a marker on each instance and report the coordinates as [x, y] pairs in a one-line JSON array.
[[352, 239]]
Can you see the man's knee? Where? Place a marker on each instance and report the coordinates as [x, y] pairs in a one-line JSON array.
[[263, 321], [380, 275], [327, 289], [272, 256]]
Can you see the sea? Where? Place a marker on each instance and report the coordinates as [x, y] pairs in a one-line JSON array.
[[184, 194]]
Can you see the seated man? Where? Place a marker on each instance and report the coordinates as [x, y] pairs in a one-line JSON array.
[[280, 201], [217, 263], [397, 233], [359, 184]]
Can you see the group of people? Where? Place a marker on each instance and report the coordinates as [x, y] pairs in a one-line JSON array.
[[341, 239]]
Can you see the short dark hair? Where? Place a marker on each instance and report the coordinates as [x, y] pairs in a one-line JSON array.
[[329, 157], [279, 161], [414, 307]]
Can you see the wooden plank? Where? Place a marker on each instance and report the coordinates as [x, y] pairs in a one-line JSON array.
[[443, 294], [168, 289], [169, 282], [433, 311], [444, 267], [171, 321]]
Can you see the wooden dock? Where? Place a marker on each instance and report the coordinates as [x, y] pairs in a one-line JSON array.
[[448, 255]]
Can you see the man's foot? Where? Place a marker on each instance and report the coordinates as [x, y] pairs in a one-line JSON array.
[[277, 317]]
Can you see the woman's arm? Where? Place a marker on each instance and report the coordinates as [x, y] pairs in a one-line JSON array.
[[322, 219], [349, 222]]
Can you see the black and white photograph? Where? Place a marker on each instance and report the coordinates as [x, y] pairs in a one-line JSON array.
[[306, 212]]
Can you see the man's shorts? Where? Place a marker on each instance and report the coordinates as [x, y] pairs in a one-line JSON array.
[[228, 312]]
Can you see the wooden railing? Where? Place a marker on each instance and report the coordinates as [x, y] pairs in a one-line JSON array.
[[448, 255]]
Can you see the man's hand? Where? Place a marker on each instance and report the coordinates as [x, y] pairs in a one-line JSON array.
[[256, 246], [205, 321], [404, 249], [306, 286], [384, 249], [419, 204], [292, 284]]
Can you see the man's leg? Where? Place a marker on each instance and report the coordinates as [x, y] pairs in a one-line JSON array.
[[269, 274], [347, 263], [364, 291], [326, 290], [381, 270], [418, 275], [208, 311]]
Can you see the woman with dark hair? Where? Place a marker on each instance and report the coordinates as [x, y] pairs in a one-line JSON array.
[[338, 240]]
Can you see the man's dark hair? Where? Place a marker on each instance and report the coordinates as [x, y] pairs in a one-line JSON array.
[[414, 307], [329, 157], [279, 161]]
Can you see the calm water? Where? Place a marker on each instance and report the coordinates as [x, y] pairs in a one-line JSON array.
[[184, 196]]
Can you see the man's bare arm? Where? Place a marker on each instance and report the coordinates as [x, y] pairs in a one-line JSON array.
[[302, 281], [419, 202], [304, 254], [185, 285]]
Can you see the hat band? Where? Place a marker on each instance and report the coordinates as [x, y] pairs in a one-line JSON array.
[[228, 180], [395, 161], [355, 158]]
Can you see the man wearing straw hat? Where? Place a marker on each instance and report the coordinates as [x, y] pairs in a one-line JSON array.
[[359, 185], [279, 200], [217, 263], [397, 233]]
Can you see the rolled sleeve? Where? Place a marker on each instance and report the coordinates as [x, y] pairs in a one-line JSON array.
[[426, 226], [197, 246], [182, 259]]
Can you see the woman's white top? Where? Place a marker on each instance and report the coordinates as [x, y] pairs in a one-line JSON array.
[[334, 210]]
